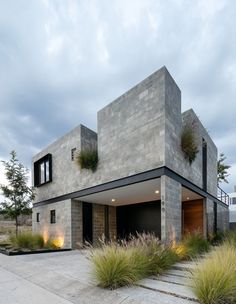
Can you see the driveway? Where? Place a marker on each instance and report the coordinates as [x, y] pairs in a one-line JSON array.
[[65, 277]]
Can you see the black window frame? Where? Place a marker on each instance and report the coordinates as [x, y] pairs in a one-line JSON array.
[[204, 164], [233, 201], [38, 217], [73, 151], [44, 161], [53, 216]]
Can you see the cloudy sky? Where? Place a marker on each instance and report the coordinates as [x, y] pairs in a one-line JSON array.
[[62, 60]]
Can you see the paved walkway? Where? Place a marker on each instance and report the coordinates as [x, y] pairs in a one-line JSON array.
[[65, 277]]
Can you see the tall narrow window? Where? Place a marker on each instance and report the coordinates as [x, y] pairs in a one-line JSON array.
[[204, 165], [53, 216], [73, 154], [37, 217]]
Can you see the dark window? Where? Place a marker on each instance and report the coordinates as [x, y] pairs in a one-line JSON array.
[[73, 153], [53, 216], [43, 170], [204, 165], [38, 217], [234, 201]]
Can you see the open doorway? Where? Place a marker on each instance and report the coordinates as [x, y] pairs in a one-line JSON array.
[[87, 222]]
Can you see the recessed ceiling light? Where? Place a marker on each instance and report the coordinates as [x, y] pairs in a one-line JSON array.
[[187, 198], [157, 191], [113, 200]]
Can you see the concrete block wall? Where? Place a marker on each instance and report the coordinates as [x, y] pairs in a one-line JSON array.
[[209, 216], [131, 130], [61, 230], [171, 209], [222, 218], [66, 174], [112, 223], [76, 224], [98, 223]]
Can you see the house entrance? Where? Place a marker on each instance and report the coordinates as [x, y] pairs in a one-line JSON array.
[[192, 216]]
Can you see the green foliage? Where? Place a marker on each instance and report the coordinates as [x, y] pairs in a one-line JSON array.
[[18, 195], [214, 279], [191, 246], [118, 265], [188, 143], [113, 267], [222, 169], [27, 241], [88, 159]]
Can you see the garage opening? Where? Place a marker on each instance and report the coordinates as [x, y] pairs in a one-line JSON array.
[[141, 217]]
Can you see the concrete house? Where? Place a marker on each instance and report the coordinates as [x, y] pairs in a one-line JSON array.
[[143, 180]]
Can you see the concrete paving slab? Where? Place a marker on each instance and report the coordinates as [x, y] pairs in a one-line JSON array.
[[169, 288], [173, 279], [16, 290]]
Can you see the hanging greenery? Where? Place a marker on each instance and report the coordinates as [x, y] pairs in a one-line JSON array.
[[188, 143], [88, 159]]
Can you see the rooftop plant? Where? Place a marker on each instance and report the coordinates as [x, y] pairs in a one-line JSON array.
[[88, 159], [188, 143]]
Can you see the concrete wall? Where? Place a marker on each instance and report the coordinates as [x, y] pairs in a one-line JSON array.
[[222, 218], [171, 209], [61, 229], [66, 174], [139, 131]]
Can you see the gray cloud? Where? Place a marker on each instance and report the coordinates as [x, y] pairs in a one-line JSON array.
[[61, 61]]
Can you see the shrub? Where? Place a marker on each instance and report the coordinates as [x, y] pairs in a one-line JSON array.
[[192, 245], [230, 238], [88, 159], [27, 241], [113, 266], [214, 279], [188, 143], [116, 265]]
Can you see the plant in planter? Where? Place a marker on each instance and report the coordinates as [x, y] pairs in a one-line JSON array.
[[188, 143], [88, 159]]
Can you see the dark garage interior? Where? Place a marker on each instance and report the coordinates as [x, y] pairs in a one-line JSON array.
[[141, 217]]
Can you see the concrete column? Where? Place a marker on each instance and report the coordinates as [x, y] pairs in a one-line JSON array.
[[171, 209], [209, 216], [76, 224]]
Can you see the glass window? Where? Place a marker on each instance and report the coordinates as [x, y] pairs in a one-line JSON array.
[[43, 170], [47, 175], [53, 216], [38, 217], [234, 201], [42, 179]]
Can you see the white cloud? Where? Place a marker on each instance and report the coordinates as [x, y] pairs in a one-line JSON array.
[[61, 61]]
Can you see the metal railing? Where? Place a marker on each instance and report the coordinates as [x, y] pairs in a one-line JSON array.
[[223, 196]]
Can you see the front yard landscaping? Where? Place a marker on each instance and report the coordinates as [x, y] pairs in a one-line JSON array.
[[213, 280], [26, 243]]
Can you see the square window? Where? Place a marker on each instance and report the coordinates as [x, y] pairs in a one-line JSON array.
[[73, 154], [37, 217], [234, 201], [53, 216]]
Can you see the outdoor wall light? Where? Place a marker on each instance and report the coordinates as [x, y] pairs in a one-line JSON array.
[[113, 200], [187, 198], [157, 191]]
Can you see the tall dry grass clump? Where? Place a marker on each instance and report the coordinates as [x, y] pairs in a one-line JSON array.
[[214, 279], [116, 265]]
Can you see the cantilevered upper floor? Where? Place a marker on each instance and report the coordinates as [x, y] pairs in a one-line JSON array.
[[139, 131]]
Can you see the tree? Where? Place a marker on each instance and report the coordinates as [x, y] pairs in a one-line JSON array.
[[18, 195], [222, 169]]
